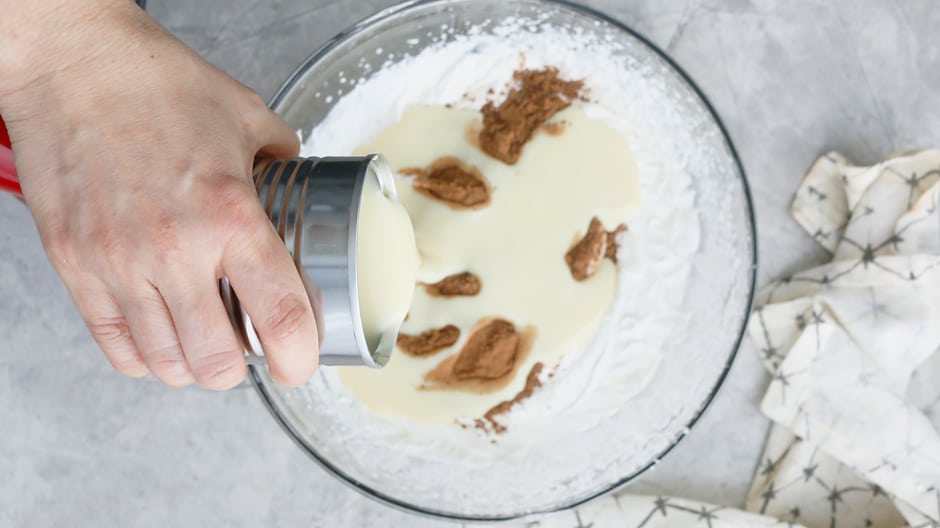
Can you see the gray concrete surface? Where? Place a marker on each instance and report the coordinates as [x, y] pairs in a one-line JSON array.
[[82, 446]]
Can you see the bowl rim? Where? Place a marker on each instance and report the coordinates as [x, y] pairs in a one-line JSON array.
[[269, 401]]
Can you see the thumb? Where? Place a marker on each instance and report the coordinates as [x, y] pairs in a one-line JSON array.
[[276, 139]]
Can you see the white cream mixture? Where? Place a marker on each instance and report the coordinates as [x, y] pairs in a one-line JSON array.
[[387, 262], [515, 245], [601, 369]]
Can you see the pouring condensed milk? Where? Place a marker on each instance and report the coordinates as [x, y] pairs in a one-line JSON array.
[[354, 245], [386, 263]]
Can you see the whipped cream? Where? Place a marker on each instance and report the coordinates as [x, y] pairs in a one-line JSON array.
[[647, 315]]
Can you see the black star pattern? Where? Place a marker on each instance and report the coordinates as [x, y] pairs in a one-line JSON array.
[[800, 322], [868, 256], [809, 472], [875, 308], [768, 495], [812, 191], [784, 380], [707, 515], [894, 241], [660, 505], [835, 496], [769, 352], [884, 464], [818, 318], [769, 467], [914, 182], [821, 235], [577, 515]]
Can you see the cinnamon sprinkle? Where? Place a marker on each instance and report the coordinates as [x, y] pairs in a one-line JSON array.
[[532, 383], [487, 362], [457, 184], [585, 255], [459, 284], [429, 341], [508, 127]]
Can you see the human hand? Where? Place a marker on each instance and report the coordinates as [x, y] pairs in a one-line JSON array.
[[135, 159]]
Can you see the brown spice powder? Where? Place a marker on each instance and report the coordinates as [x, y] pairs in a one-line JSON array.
[[585, 256], [490, 352], [459, 284], [428, 342], [453, 182], [555, 128], [488, 361], [612, 244], [508, 127], [532, 383]]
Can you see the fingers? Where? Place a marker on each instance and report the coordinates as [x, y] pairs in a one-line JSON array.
[[109, 328], [213, 353], [186, 338], [156, 336], [270, 289], [276, 139]]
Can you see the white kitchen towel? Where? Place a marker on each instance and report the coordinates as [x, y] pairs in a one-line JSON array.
[[852, 348]]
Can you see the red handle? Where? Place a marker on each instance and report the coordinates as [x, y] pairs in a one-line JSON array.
[[4, 136], [8, 180]]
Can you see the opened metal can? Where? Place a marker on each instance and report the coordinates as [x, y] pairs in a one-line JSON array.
[[314, 205]]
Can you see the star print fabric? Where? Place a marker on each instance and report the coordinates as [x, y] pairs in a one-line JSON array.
[[641, 511], [852, 349]]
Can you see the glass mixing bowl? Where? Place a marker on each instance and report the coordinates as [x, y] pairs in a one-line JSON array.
[[650, 424]]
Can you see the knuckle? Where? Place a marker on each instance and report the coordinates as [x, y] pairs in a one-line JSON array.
[[219, 370], [238, 210], [168, 365], [165, 239], [110, 331], [132, 366], [106, 238], [60, 249], [251, 98], [287, 317], [296, 376], [109, 250]]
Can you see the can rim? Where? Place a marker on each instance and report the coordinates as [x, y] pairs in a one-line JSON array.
[[374, 165]]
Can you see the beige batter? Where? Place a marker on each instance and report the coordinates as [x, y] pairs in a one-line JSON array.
[[515, 245], [387, 262]]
